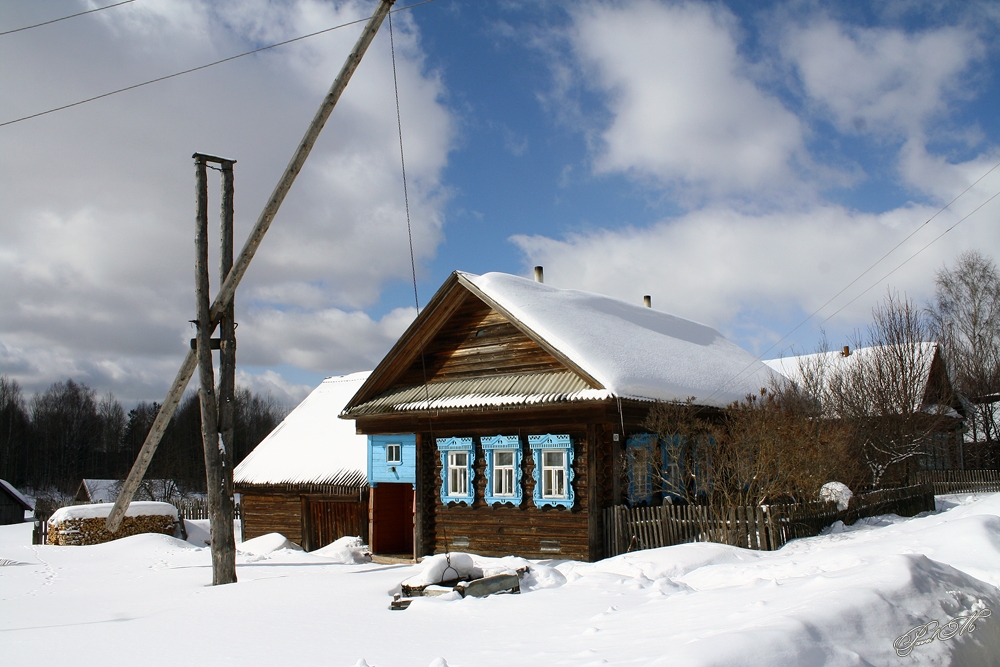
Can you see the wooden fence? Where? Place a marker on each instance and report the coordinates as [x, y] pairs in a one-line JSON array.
[[961, 481], [766, 527]]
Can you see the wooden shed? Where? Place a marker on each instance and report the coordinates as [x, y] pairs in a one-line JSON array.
[[497, 422], [13, 504], [306, 479]]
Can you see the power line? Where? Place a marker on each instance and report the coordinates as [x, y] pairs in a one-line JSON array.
[[877, 262], [201, 67], [71, 16], [901, 265], [868, 270]]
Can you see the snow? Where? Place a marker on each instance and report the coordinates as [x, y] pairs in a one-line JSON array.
[[267, 544], [312, 445], [836, 492], [837, 599], [346, 550], [633, 351], [103, 510]]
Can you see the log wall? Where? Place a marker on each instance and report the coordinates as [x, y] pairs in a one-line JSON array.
[[272, 513]]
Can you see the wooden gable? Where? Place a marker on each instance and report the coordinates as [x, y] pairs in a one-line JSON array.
[[462, 334], [477, 341]]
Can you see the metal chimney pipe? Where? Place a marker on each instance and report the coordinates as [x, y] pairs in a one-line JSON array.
[[647, 301], [539, 278]]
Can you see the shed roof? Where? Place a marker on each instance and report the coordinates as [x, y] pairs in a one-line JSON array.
[[311, 445], [616, 350], [15, 494], [794, 368], [924, 356]]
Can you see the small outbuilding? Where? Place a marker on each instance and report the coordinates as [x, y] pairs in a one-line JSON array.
[[13, 504], [306, 479], [106, 490]]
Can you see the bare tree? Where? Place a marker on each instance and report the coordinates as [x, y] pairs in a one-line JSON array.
[[965, 319], [891, 391]]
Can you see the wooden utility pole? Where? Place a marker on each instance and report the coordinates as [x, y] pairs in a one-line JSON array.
[[228, 288], [216, 413]]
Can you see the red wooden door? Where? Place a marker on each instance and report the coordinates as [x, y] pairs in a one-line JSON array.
[[331, 519], [392, 519]]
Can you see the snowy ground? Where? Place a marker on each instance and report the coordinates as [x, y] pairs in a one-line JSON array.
[[838, 599]]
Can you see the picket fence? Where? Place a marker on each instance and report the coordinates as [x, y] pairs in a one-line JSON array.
[[764, 527], [961, 481]]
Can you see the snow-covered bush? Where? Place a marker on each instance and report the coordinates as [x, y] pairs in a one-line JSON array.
[[836, 492]]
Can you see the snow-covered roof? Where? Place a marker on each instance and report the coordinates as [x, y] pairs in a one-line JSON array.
[[312, 445], [16, 495], [794, 368], [102, 490], [821, 364], [631, 350]]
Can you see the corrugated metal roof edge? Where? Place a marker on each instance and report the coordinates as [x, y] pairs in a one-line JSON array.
[[342, 478]]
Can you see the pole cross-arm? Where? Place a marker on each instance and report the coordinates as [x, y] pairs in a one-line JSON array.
[[232, 281]]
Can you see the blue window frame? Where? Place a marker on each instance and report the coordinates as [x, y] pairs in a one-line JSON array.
[[639, 450], [458, 456], [553, 475], [503, 469]]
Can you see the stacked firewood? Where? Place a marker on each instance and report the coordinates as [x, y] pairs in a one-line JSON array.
[[76, 532]]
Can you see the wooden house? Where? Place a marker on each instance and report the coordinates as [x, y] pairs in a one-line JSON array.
[[921, 383], [306, 479], [497, 422], [13, 504]]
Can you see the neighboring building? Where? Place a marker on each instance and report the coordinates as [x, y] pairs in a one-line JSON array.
[[306, 479], [919, 372], [106, 490], [13, 504], [497, 422]]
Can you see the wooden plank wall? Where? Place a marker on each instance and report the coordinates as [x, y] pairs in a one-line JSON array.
[[503, 530], [272, 513], [478, 342]]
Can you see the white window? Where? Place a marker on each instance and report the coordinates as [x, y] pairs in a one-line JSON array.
[[503, 473], [503, 469], [553, 470], [554, 474], [458, 473], [394, 453]]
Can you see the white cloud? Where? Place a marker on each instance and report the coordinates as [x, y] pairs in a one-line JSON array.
[[878, 79], [270, 383], [97, 228], [684, 110], [723, 268], [328, 341]]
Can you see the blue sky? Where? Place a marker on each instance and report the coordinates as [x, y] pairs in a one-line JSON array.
[[740, 162]]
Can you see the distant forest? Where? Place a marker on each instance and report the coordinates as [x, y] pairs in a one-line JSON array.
[[67, 433]]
